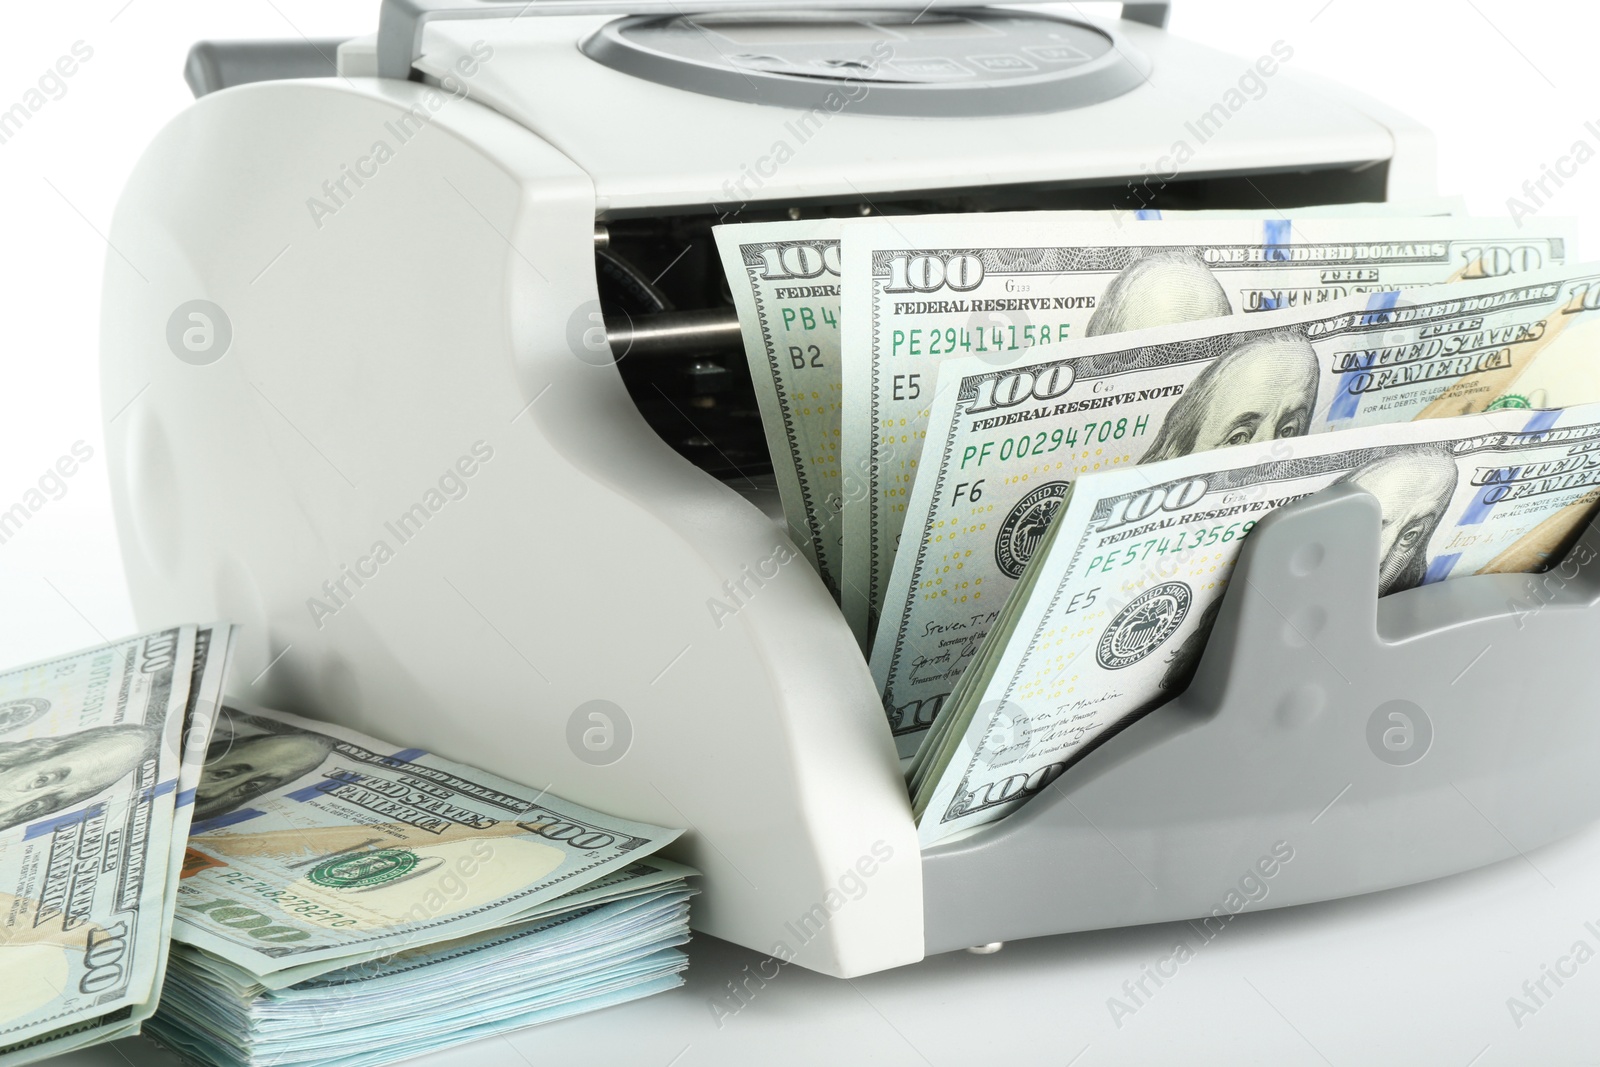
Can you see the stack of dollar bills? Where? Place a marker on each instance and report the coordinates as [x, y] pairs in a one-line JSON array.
[[326, 897], [348, 902], [1023, 448], [100, 756]]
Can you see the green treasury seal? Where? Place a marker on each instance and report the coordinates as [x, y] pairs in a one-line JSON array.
[[364, 870]]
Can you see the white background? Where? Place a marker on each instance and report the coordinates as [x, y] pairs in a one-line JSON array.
[[1506, 86]]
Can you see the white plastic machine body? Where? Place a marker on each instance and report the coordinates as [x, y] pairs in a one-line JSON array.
[[441, 519]]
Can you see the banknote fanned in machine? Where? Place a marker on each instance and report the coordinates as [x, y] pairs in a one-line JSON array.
[[1008, 288], [345, 901], [785, 280], [1005, 443], [1113, 611], [961, 406]]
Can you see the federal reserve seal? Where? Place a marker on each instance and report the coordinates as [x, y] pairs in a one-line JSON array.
[[20, 711], [1140, 628], [364, 869], [1025, 527]]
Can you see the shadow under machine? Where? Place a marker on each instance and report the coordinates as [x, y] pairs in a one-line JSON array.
[[474, 315]]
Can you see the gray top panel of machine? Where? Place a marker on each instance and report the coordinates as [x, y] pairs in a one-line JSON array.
[[952, 63]]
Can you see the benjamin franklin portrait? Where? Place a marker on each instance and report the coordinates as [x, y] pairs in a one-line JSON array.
[[1414, 491], [45, 775], [247, 761], [1158, 290], [1262, 390]]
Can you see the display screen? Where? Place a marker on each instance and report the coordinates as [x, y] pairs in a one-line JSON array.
[[936, 26], [791, 31]]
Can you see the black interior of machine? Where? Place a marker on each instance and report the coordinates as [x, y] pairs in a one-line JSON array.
[[670, 314]]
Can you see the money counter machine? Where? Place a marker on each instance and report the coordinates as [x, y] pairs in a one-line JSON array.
[[459, 298]]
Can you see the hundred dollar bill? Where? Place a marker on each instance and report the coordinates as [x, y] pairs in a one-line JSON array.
[[213, 651], [614, 941], [1114, 612], [636, 877], [920, 291], [90, 755], [784, 277], [1005, 443], [313, 844], [213, 646]]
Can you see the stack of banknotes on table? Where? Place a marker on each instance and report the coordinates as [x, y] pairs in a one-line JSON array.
[[1023, 449], [346, 902], [326, 897]]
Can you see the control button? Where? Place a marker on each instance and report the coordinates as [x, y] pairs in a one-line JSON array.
[[1001, 64], [931, 67], [1057, 53]]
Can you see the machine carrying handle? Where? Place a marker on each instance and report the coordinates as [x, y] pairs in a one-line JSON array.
[[400, 22], [214, 65]]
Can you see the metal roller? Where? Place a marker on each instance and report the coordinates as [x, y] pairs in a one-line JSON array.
[[676, 333]]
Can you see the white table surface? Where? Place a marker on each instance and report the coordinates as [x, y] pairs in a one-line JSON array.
[[1415, 976]]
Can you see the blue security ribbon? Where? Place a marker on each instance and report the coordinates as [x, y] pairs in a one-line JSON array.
[[1440, 568], [1542, 420], [1481, 507], [1347, 401], [1276, 236], [51, 825]]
